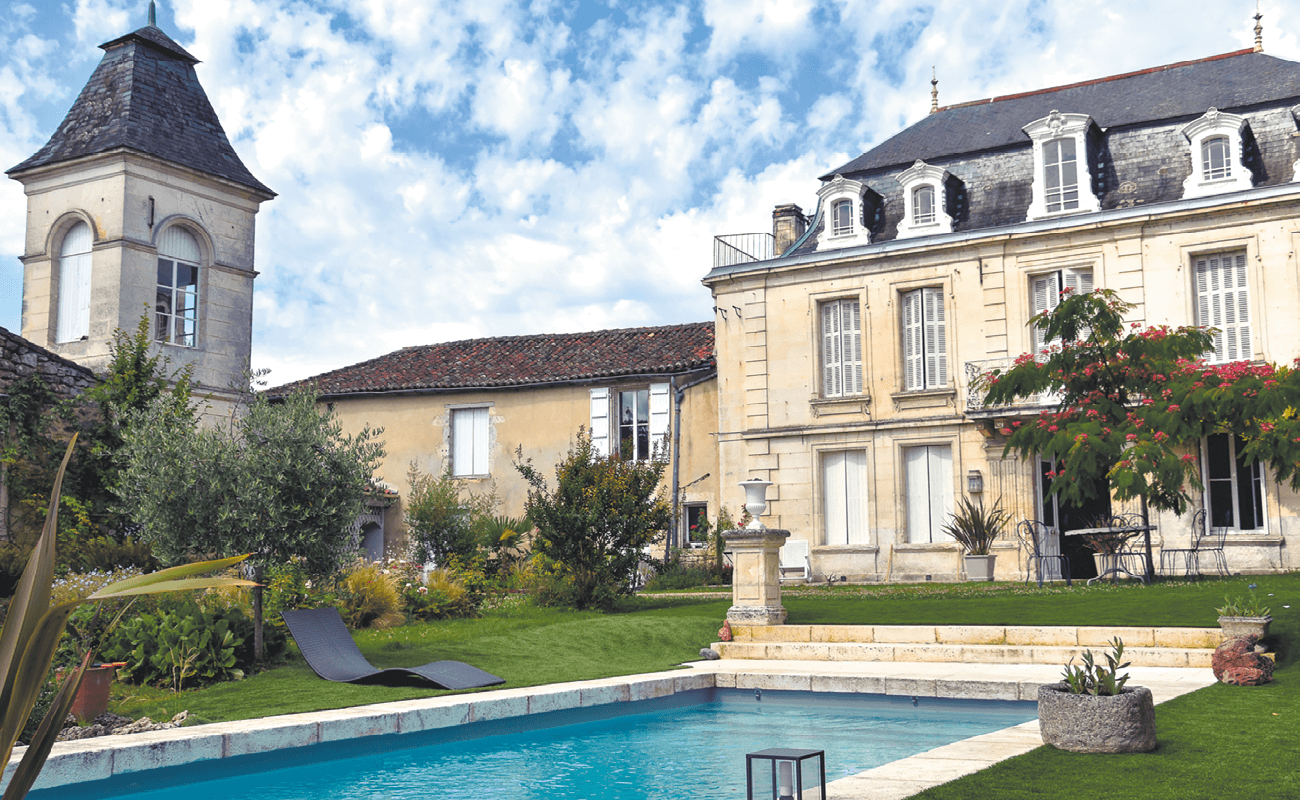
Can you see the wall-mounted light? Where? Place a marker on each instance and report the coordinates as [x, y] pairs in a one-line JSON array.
[[974, 482]]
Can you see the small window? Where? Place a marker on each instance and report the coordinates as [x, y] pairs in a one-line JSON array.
[[469, 441], [629, 422], [73, 320], [923, 205], [697, 523], [1234, 489], [843, 218], [925, 341], [1061, 175], [177, 304], [841, 348], [1045, 294], [1215, 161]]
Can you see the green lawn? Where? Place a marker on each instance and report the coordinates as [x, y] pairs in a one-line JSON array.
[[1215, 742]]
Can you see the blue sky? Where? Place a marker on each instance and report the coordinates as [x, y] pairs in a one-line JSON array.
[[451, 170]]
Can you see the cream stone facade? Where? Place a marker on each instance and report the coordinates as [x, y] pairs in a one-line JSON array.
[[866, 469]]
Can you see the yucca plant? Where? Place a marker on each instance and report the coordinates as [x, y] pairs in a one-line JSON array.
[[31, 636], [975, 528]]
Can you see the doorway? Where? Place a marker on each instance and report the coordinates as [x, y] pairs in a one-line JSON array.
[[1060, 515]]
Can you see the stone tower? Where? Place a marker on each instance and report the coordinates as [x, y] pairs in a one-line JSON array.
[[139, 205]]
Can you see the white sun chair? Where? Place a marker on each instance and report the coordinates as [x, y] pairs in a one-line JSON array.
[[794, 560]]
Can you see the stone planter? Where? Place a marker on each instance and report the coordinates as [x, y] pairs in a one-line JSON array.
[[1105, 562], [1084, 723], [1234, 627], [979, 568]]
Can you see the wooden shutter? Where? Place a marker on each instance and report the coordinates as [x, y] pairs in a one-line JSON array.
[[600, 421], [831, 363], [834, 501], [1045, 295], [916, 476], [1222, 302], [936, 340], [851, 346], [73, 320], [913, 343], [659, 416]]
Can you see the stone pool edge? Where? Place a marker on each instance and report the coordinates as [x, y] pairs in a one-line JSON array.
[[104, 757]]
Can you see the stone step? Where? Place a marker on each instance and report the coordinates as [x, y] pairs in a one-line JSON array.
[[960, 653]]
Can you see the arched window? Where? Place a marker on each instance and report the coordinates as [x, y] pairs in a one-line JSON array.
[[73, 321], [177, 306], [1216, 161], [1061, 175], [843, 218], [923, 205]]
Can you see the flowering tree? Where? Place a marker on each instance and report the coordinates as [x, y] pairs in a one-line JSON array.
[[1131, 400]]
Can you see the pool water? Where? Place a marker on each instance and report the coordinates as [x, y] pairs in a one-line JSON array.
[[691, 745]]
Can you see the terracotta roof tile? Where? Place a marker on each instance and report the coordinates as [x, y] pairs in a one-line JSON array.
[[524, 361]]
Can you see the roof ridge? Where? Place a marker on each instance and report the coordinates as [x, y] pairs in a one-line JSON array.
[[1095, 81]]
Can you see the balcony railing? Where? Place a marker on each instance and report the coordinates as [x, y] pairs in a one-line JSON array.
[[977, 374], [742, 248]]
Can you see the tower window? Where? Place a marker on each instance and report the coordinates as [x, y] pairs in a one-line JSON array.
[[176, 319], [73, 321]]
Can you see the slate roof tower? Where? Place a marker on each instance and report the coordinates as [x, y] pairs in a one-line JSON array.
[[138, 205]]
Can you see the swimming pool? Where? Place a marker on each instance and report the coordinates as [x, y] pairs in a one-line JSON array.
[[689, 745]]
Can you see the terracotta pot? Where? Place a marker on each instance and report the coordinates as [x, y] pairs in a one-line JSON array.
[[979, 568], [92, 695], [1244, 626], [1085, 723]]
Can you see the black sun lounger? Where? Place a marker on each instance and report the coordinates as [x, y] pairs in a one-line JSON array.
[[330, 650]]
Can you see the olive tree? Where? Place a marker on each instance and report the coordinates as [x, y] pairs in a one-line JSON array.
[[281, 481]]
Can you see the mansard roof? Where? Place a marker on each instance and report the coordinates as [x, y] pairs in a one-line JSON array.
[[519, 361], [1232, 81], [145, 96]]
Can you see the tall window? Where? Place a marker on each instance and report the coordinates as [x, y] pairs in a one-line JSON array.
[[634, 424], [1216, 163], [1061, 175], [844, 494], [469, 441], [1223, 303], [923, 205], [629, 422], [843, 217], [1045, 294], [1234, 490], [841, 349], [177, 305], [928, 476], [73, 320], [925, 342]]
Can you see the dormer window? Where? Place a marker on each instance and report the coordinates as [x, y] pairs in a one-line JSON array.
[[925, 201], [1062, 177], [1216, 146], [845, 201]]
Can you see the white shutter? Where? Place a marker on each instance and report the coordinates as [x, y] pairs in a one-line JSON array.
[[1235, 286], [940, 467], [659, 416], [73, 320], [851, 349], [831, 368], [855, 493], [479, 420], [913, 352], [917, 486], [600, 421], [462, 441], [180, 244], [1080, 282], [936, 340], [1045, 297], [1223, 302], [835, 502]]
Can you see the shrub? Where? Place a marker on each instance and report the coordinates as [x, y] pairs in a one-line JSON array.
[[12, 560], [177, 646], [443, 597], [545, 581], [440, 520], [106, 553], [368, 598]]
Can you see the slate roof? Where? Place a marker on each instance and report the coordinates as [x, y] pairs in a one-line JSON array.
[[517, 361], [145, 96], [1228, 82]]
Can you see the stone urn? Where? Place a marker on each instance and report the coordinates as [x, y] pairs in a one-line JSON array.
[[979, 568], [1236, 627], [1085, 723]]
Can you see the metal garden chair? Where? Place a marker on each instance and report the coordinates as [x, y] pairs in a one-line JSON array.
[[1169, 555], [1033, 538]]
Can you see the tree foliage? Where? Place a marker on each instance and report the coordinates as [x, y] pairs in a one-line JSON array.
[[598, 519], [442, 519], [1133, 402]]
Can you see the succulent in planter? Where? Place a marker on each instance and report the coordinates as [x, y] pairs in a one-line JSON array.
[[1244, 616], [1091, 710]]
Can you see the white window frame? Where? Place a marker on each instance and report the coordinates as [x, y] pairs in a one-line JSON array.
[[841, 347], [471, 441], [605, 422], [928, 491], [72, 320], [914, 179], [1220, 283], [1052, 128], [830, 195], [176, 310], [1045, 293], [925, 340], [1215, 124], [844, 498], [1254, 474]]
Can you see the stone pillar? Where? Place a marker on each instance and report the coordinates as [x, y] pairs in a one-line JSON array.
[[788, 224], [756, 576]]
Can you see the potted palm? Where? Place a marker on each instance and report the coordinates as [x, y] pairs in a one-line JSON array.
[[1091, 711], [975, 528], [1244, 616]]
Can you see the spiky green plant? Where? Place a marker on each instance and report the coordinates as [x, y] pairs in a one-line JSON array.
[[1093, 678], [31, 636], [975, 527]]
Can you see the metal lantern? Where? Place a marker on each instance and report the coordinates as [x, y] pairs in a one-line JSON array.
[[974, 482], [755, 501], [785, 774]]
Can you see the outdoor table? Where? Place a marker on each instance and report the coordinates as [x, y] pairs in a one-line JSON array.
[[1126, 532]]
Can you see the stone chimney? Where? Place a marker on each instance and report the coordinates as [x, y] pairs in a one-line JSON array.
[[788, 224]]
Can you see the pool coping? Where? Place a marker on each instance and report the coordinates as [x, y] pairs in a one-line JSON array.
[[103, 757]]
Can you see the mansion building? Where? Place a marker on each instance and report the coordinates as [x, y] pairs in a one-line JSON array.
[[845, 373]]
